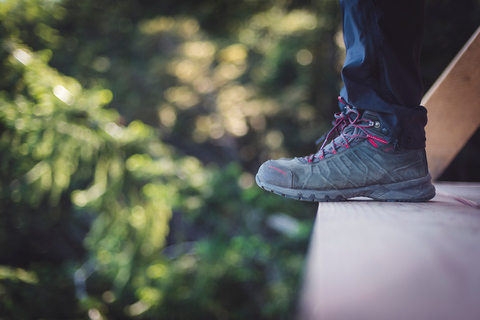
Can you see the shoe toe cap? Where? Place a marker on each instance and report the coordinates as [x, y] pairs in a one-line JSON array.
[[273, 172]]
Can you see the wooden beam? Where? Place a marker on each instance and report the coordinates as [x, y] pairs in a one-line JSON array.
[[372, 260], [453, 105]]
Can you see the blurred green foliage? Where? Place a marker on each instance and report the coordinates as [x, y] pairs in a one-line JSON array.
[[130, 132]]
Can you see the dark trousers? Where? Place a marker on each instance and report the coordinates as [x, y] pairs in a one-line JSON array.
[[383, 39]]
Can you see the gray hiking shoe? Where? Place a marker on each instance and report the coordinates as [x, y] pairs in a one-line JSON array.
[[357, 163]]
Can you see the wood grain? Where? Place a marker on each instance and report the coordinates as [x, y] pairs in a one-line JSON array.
[[453, 105], [377, 261]]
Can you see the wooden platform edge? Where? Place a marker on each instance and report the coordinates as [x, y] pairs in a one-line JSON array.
[[381, 260]]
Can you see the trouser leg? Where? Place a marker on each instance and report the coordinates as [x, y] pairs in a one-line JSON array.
[[383, 39]]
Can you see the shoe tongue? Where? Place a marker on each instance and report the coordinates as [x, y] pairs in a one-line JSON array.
[[351, 130], [353, 115], [370, 115], [348, 131], [366, 115]]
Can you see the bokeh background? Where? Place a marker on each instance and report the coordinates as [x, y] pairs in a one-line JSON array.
[[130, 133]]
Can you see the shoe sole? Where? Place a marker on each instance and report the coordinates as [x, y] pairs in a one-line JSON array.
[[417, 190]]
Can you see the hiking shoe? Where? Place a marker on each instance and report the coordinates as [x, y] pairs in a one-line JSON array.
[[359, 162]]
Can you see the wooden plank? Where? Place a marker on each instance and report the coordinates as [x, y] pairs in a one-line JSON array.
[[453, 105], [376, 261], [461, 191]]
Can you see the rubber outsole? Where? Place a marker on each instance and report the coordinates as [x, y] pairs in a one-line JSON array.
[[417, 190]]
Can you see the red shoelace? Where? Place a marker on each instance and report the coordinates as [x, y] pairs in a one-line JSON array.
[[349, 118]]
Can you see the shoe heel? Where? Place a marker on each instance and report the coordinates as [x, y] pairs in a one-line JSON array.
[[415, 190]]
